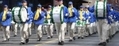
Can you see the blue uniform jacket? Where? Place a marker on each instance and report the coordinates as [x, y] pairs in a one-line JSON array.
[[92, 9], [92, 18], [40, 20], [73, 17], [84, 15], [109, 19], [116, 15], [30, 15], [8, 20], [65, 10]]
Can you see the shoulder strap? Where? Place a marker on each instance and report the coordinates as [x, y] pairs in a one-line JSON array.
[[13, 15], [61, 16], [51, 13]]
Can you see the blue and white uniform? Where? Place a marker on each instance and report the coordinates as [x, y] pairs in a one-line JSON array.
[[81, 23], [38, 20], [102, 10], [71, 20], [5, 21], [59, 18]]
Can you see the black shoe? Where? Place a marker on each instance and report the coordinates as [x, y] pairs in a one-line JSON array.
[[62, 42], [104, 44], [15, 35], [39, 39], [75, 32], [74, 38], [51, 36], [110, 37], [59, 43], [5, 40], [94, 33], [27, 40], [82, 38], [70, 40], [65, 33], [29, 35], [22, 43], [100, 43], [89, 34], [48, 37], [107, 40], [8, 39], [79, 37], [86, 36]]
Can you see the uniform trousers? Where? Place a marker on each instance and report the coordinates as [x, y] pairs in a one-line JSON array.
[[61, 28], [6, 34], [24, 32]]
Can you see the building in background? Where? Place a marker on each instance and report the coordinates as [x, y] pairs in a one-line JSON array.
[[45, 3], [114, 3]]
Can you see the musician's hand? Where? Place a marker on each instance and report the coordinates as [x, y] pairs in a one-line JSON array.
[[30, 20], [27, 13], [27, 18], [45, 16], [77, 18], [89, 17], [66, 14], [84, 19], [72, 10]]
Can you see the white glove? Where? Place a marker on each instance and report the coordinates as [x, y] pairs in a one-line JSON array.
[[13, 22], [89, 17], [67, 14], [27, 18], [72, 10], [27, 13]]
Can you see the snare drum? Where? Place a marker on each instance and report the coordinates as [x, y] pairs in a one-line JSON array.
[[80, 23], [47, 22]]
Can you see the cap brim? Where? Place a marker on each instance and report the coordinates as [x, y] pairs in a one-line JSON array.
[[58, 0]]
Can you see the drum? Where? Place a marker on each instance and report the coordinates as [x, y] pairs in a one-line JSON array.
[[47, 22], [19, 14], [100, 9], [80, 23], [87, 22]]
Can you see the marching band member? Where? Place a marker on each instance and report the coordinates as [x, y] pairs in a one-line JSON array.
[[5, 20], [38, 20], [71, 20], [90, 21], [102, 10], [25, 26], [111, 22], [81, 18], [13, 26], [45, 25], [113, 19], [116, 20], [30, 13], [87, 27], [49, 25], [59, 15]]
